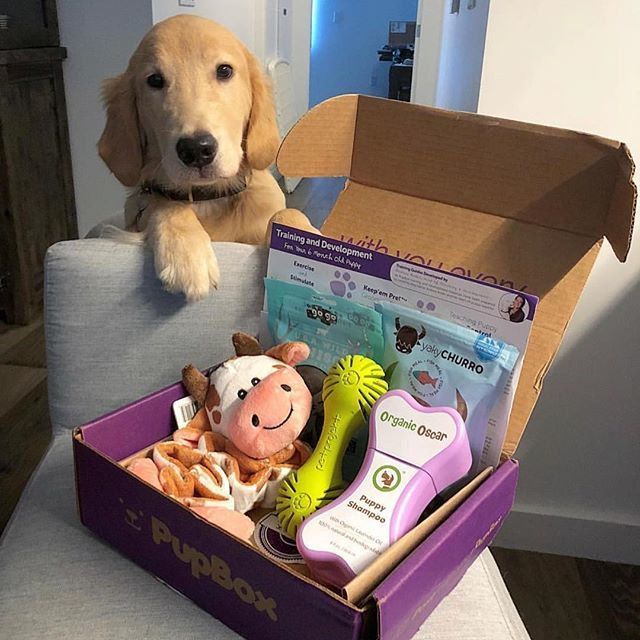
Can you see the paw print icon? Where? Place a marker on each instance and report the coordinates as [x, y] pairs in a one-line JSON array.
[[343, 285], [425, 306]]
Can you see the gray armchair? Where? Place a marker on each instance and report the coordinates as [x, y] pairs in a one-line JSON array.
[[114, 335]]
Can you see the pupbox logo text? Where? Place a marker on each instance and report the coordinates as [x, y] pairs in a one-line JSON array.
[[214, 567], [201, 565]]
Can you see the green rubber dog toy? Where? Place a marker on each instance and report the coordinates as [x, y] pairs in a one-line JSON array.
[[350, 390]]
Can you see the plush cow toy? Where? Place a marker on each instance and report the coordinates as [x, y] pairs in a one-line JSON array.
[[254, 407]]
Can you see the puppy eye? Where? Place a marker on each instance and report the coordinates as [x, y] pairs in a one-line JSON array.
[[155, 81], [255, 381], [242, 394], [224, 72]]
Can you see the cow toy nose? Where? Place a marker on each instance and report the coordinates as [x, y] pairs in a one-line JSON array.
[[198, 150]]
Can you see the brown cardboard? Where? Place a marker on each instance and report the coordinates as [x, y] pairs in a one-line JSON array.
[[511, 203], [527, 206]]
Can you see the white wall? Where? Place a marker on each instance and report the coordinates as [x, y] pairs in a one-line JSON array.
[[463, 36], [238, 15], [428, 46], [575, 64], [265, 45], [449, 54], [344, 55], [99, 36], [294, 44]]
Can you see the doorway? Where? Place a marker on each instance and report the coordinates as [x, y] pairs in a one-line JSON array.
[[355, 44], [426, 51], [449, 53]]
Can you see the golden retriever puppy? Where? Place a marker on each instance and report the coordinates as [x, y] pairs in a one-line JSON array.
[[191, 128]]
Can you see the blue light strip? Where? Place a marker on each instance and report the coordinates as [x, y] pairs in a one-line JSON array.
[[315, 23]]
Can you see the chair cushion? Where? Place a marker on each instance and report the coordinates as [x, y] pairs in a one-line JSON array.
[[114, 335], [60, 581]]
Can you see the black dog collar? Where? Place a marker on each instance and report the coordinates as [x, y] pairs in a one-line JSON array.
[[197, 193]]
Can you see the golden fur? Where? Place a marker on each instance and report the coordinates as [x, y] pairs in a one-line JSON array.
[[139, 145]]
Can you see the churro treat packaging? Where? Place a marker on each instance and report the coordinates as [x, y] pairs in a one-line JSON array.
[[442, 364]]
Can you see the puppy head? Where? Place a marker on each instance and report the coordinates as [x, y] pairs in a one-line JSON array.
[[191, 107]]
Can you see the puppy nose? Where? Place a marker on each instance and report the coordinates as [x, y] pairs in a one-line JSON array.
[[198, 150]]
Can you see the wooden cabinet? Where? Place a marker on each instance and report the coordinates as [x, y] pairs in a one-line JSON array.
[[36, 188], [37, 205], [28, 23]]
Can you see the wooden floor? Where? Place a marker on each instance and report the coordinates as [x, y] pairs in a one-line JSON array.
[[558, 597], [25, 430], [562, 598]]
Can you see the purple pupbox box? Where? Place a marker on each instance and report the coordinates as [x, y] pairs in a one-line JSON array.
[[236, 583]]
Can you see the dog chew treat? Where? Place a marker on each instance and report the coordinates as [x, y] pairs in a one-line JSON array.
[[351, 388]]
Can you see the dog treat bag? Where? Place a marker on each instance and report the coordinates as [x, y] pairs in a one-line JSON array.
[[443, 364], [332, 327]]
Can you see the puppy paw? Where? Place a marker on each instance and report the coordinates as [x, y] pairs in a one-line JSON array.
[[188, 267], [291, 218]]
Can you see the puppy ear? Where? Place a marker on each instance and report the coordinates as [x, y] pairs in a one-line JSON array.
[[262, 138], [120, 145]]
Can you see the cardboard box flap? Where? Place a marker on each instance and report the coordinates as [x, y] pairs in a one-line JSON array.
[[619, 224], [549, 263], [551, 177], [321, 142], [515, 204]]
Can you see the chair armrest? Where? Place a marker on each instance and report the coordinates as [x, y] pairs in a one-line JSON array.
[[113, 334]]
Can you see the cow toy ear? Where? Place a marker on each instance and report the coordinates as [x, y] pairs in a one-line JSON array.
[[246, 345], [195, 383], [291, 353]]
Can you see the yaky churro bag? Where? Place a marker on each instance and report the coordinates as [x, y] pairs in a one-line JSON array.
[[443, 364]]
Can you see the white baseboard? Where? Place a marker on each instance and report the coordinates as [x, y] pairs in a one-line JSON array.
[[571, 536]]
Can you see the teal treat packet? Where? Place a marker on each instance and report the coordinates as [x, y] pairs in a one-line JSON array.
[[332, 327], [443, 364]]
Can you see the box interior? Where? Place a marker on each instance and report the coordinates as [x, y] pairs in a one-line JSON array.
[[122, 441], [509, 203]]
